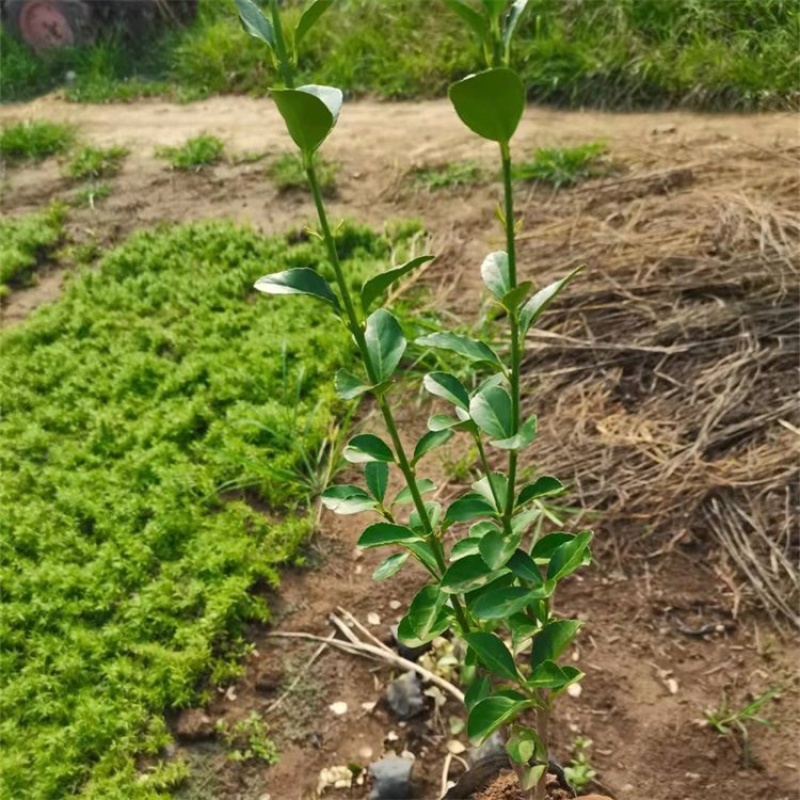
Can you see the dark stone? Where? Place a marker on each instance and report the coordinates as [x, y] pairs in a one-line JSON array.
[[404, 696], [410, 653], [391, 779], [493, 747], [194, 725]]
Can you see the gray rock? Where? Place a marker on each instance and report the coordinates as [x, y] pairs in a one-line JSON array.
[[494, 746], [404, 696], [391, 778]]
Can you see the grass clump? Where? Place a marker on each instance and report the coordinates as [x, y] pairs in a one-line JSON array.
[[288, 174], [35, 140], [25, 242], [126, 568], [96, 162], [194, 154], [90, 195], [448, 176], [563, 166]]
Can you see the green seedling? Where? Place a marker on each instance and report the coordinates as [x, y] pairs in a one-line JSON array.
[[93, 194], [93, 163], [580, 772], [729, 721], [194, 154], [35, 141], [248, 739], [493, 587], [563, 166], [288, 174], [448, 176]]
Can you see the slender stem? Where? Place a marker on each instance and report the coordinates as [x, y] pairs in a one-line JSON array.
[[516, 350], [542, 731], [487, 469], [358, 334], [280, 46]]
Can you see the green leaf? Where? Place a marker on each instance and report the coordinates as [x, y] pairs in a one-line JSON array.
[[405, 632], [495, 273], [464, 547], [491, 409], [424, 611], [547, 545], [424, 485], [444, 422], [522, 629], [537, 305], [377, 285], [568, 557], [468, 507], [545, 486], [548, 675], [434, 511], [523, 566], [512, 20], [385, 343], [367, 447], [310, 16], [501, 603], [512, 299], [255, 22], [466, 574], [522, 438], [491, 713], [430, 441], [382, 533], [347, 499], [478, 690], [480, 529], [532, 775], [521, 745], [493, 654], [499, 487], [490, 103], [310, 113], [390, 566], [476, 21], [377, 476], [448, 387], [550, 642], [423, 552], [298, 281], [463, 345], [348, 386], [496, 548]]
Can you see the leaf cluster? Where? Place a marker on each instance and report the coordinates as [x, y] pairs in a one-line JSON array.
[[128, 407], [35, 140], [194, 154], [96, 162]]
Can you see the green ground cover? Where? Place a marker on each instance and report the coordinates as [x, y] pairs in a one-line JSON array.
[[154, 467], [25, 242], [710, 54]]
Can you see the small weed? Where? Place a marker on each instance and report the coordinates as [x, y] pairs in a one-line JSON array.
[[563, 166], [96, 162], [580, 773], [288, 175], [248, 157], [34, 141], [728, 721], [194, 154], [91, 195], [448, 176], [248, 739]]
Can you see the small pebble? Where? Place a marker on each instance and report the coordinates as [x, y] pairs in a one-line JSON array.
[[395, 605], [373, 619], [368, 707], [338, 708], [404, 696], [391, 778], [365, 753], [455, 747], [574, 690]]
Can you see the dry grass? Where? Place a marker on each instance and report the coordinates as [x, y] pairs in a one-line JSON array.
[[666, 379]]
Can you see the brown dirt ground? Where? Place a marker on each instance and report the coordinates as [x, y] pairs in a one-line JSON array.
[[647, 683]]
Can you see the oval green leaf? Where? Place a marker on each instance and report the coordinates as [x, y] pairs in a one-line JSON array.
[[496, 548], [367, 447], [347, 499], [382, 533], [490, 103], [537, 305], [495, 274], [471, 506], [310, 112], [430, 441], [298, 281], [448, 387], [491, 713], [466, 574], [550, 642], [493, 654], [569, 556], [424, 611], [491, 409], [348, 386], [385, 343], [501, 603], [545, 486], [310, 16], [390, 566], [255, 22], [377, 285], [463, 345], [376, 474], [424, 485], [522, 438]]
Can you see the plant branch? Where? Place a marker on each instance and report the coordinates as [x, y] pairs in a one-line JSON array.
[[280, 46]]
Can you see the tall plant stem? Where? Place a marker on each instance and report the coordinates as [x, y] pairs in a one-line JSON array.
[[542, 732], [516, 349], [287, 73], [386, 411]]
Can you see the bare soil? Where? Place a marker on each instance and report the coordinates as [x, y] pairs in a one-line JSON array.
[[672, 627]]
